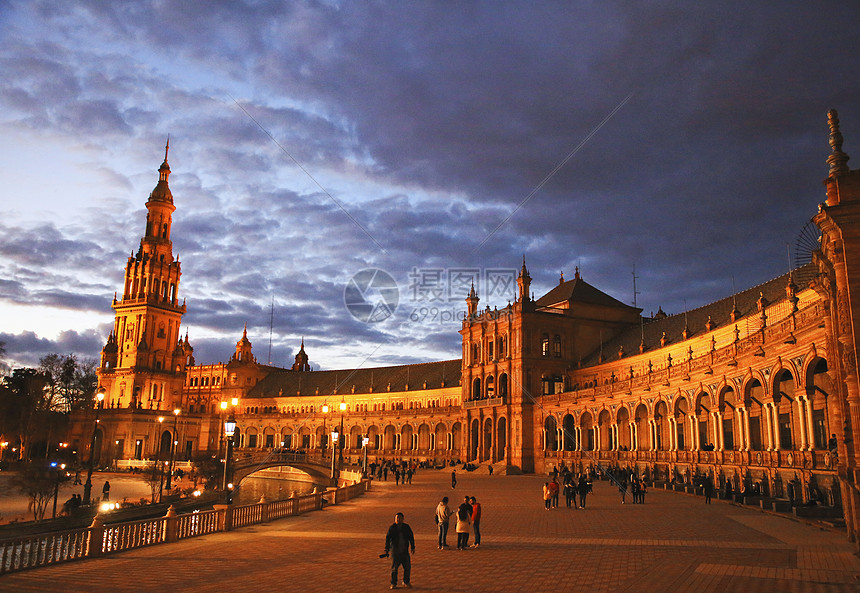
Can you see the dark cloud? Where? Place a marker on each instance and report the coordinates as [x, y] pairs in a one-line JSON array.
[[311, 140]]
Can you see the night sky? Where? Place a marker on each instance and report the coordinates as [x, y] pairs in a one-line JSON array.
[[436, 142]]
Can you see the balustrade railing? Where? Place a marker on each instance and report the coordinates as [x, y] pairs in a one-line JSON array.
[[22, 553]]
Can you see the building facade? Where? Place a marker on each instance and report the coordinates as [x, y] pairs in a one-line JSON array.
[[759, 390]]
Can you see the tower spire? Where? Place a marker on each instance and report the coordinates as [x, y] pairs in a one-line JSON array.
[[837, 159]]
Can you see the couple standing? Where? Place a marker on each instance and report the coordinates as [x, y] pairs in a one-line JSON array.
[[468, 513]]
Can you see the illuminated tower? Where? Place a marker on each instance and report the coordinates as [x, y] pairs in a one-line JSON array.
[[143, 363]]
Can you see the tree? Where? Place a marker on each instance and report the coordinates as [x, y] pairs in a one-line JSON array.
[[210, 469], [38, 482], [70, 383], [23, 403]]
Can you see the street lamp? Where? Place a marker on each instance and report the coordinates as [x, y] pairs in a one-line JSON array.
[[335, 437], [340, 446], [364, 441], [88, 486], [116, 456], [229, 431], [58, 468], [325, 409], [174, 442], [158, 458]]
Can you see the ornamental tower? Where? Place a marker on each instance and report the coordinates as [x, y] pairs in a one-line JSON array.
[[143, 363]]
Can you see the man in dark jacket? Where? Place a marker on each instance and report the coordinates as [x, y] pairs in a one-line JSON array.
[[398, 541]]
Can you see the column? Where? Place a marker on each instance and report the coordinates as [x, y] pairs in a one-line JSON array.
[[774, 415], [810, 410], [744, 429], [694, 433], [768, 421], [673, 434], [719, 437], [800, 401], [634, 437], [614, 433], [652, 435]]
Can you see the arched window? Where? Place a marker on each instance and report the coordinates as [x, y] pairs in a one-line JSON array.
[[544, 345], [556, 346]]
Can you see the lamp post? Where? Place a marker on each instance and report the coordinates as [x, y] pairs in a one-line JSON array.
[[174, 441], [88, 486], [325, 409], [340, 446], [221, 432], [364, 441], [229, 430], [158, 458], [335, 437], [57, 469]]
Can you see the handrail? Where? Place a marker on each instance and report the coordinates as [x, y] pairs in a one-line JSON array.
[[22, 553]]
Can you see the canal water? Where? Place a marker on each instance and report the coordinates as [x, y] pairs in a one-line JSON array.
[[275, 483]]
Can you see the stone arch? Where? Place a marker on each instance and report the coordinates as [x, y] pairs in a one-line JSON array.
[[474, 435], [568, 426], [754, 401], [487, 439], [661, 425], [550, 431], [457, 436], [784, 390], [604, 422], [406, 433], [728, 404], [389, 437], [424, 436], [441, 432], [374, 440], [501, 438], [819, 386], [586, 427], [640, 419], [622, 418]]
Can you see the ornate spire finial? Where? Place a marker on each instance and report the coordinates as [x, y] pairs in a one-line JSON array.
[[576, 274], [561, 278], [837, 159], [166, 148], [245, 331]]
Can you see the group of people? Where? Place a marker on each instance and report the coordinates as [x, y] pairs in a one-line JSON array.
[[402, 471], [572, 487], [400, 540], [468, 518], [70, 505]]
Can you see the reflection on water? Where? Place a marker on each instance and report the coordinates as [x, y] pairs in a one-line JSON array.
[[252, 488]]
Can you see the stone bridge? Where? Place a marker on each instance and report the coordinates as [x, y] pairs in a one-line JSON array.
[[244, 464]]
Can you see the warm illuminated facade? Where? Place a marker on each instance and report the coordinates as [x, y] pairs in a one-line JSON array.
[[759, 389]]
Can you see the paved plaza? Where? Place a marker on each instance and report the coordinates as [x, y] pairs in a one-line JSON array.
[[674, 542]]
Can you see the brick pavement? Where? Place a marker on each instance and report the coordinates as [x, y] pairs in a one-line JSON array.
[[672, 543]]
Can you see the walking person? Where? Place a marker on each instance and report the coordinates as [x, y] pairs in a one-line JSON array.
[[622, 488], [106, 491], [476, 521], [443, 517], [547, 496], [708, 487], [567, 485], [583, 490], [464, 518], [553, 489], [453, 479], [398, 542]]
